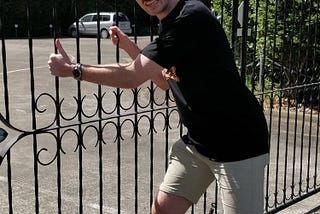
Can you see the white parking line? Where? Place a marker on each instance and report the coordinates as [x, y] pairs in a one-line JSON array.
[[106, 208], [3, 179], [25, 69]]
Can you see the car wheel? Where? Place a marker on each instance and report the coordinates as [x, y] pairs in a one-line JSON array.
[[74, 32], [104, 34]]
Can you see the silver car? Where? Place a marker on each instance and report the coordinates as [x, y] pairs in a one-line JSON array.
[[88, 24]]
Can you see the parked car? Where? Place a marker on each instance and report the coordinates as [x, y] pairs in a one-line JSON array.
[[88, 24]]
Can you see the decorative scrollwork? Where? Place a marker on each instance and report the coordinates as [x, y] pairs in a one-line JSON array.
[[7, 146], [70, 119], [3, 135]]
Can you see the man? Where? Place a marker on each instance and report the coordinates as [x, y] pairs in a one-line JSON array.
[[227, 136]]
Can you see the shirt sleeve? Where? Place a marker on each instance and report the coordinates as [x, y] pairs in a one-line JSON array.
[[163, 50], [152, 51]]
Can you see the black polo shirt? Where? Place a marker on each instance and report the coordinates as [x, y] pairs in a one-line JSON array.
[[218, 110]]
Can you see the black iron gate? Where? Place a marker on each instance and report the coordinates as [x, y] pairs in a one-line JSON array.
[[80, 148]]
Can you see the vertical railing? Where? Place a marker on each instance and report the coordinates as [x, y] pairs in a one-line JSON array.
[[6, 102]]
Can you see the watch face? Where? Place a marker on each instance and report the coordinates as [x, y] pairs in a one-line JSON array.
[[76, 73]]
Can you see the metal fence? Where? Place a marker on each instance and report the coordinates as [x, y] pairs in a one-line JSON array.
[[75, 147]]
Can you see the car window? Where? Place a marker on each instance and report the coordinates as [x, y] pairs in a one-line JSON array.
[[87, 18], [121, 17], [95, 18], [105, 18]]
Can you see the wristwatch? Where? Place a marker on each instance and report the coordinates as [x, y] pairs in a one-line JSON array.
[[77, 72]]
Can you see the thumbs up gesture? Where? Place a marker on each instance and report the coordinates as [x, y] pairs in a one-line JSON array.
[[60, 64]]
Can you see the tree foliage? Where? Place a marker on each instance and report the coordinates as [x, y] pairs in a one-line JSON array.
[[284, 33]]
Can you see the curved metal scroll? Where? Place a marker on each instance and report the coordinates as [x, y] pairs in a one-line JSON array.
[[3, 135]]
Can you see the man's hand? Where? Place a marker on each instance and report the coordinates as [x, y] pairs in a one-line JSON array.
[[60, 64], [120, 38]]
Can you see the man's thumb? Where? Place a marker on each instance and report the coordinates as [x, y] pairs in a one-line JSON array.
[[61, 50]]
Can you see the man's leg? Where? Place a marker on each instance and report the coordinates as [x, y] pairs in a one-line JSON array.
[[242, 185], [166, 203], [186, 179]]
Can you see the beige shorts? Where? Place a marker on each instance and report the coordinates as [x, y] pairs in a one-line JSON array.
[[241, 183]]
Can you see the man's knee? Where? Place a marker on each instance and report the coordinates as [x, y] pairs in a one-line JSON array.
[[166, 203]]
